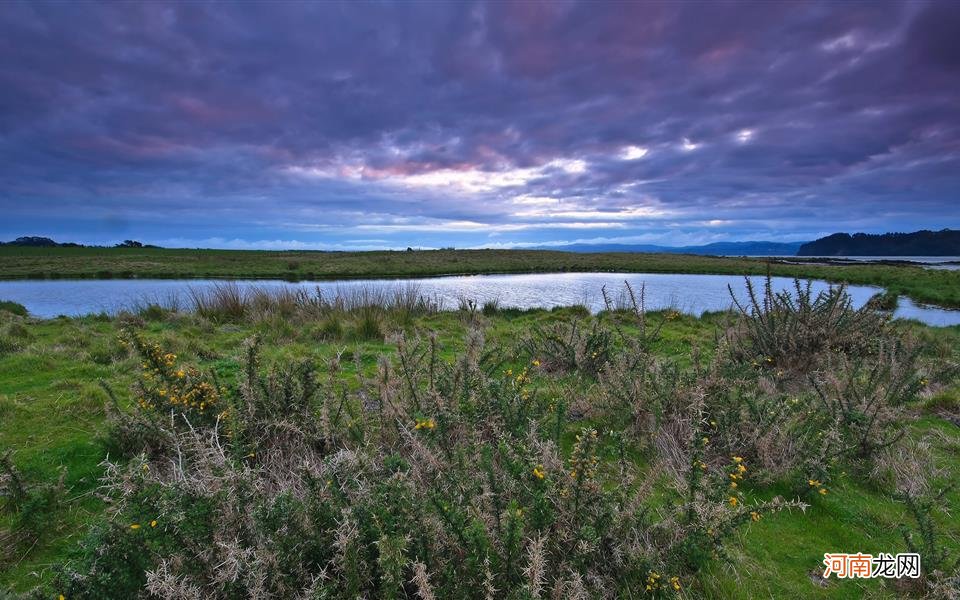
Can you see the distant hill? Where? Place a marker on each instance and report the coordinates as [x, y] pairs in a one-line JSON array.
[[33, 241], [919, 243], [717, 248], [39, 242]]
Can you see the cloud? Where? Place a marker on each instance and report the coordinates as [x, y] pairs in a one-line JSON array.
[[475, 123]]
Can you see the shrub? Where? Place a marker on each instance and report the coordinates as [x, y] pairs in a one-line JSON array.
[[8, 345], [867, 397], [792, 331], [885, 301], [922, 487], [13, 307], [580, 345], [112, 562], [434, 478], [28, 503]]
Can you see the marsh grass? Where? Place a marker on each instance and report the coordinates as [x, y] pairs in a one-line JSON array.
[[230, 302]]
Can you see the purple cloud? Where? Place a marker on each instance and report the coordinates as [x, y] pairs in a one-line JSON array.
[[510, 123]]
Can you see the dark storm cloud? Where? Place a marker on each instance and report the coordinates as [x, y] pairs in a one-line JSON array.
[[499, 123]]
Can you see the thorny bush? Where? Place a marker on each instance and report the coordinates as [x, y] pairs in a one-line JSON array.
[[430, 478]]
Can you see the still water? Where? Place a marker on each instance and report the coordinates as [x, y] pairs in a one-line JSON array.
[[693, 294]]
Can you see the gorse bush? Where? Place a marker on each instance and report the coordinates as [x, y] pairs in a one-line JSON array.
[[790, 331], [866, 399], [793, 386], [430, 478], [580, 345]]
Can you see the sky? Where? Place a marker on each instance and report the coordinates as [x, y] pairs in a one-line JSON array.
[[361, 125]]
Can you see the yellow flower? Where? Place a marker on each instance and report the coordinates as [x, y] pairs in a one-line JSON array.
[[536, 363], [737, 459], [733, 501], [733, 485], [135, 526], [538, 472], [181, 374], [813, 483], [823, 491], [755, 516], [675, 582], [425, 424], [741, 469], [153, 523], [706, 440]]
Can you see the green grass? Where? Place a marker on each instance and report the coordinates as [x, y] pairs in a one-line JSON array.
[[13, 307], [52, 412], [933, 286]]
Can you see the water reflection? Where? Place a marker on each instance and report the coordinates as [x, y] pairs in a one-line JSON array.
[[693, 294]]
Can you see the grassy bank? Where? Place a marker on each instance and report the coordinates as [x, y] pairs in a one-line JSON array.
[[939, 287], [507, 403]]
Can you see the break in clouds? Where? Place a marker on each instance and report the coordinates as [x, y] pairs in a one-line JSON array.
[[372, 125]]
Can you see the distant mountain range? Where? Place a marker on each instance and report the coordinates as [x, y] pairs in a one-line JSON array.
[[717, 248], [919, 243], [945, 242]]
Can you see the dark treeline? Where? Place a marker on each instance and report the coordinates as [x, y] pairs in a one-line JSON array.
[[34, 241], [919, 243]]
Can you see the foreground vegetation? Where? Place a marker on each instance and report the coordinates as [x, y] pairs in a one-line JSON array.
[[372, 446], [939, 287]]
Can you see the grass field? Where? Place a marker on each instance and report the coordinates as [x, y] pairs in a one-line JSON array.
[[52, 410], [939, 287]]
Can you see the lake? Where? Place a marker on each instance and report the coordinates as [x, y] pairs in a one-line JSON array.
[[692, 294]]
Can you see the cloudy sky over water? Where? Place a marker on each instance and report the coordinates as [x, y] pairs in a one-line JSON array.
[[375, 125]]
